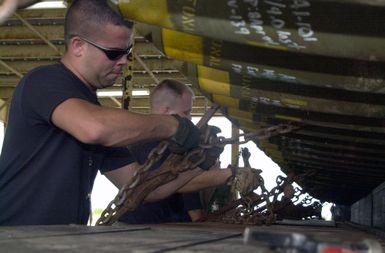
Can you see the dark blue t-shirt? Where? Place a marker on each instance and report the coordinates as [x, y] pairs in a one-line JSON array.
[[171, 209], [46, 175]]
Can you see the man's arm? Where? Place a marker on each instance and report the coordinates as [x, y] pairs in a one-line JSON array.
[[121, 176], [113, 127], [243, 180], [210, 178], [196, 214], [192, 204], [171, 187]]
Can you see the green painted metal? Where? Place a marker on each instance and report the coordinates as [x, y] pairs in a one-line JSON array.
[[266, 63], [323, 27]]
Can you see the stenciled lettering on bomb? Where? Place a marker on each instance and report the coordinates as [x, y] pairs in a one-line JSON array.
[[266, 19], [247, 92], [188, 16], [254, 71], [215, 53]]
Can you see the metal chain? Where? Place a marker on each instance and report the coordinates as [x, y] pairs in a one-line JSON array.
[[248, 209], [261, 134], [242, 210], [124, 200], [144, 181]]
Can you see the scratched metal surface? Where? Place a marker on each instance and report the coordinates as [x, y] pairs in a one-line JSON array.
[[197, 237]]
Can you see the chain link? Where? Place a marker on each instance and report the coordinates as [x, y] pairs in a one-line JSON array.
[[261, 134]]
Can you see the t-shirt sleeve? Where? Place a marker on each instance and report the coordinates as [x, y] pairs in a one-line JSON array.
[[116, 158], [44, 90], [192, 201]]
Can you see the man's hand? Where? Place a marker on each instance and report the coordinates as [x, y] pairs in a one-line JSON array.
[[211, 154], [211, 157], [185, 138], [244, 180]]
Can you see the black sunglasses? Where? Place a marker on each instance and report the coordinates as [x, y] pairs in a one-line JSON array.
[[111, 53]]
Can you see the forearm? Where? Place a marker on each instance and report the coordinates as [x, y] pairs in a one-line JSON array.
[[123, 175], [210, 178], [113, 127], [196, 214], [122, 127], [171, 187]]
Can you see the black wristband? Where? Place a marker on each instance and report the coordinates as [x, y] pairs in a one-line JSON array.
[[180, 135], [186, 137]]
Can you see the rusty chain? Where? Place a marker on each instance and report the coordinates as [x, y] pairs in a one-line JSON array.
[[265, 208], [249, 209], [260, 134], [145, 181], [124, 200], [244, 209]]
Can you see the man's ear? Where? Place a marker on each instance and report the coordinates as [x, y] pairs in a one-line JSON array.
[[163, 110], [77, 46]]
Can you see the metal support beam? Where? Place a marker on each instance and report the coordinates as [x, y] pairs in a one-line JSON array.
[[10, 68], [127, 81], [145, 67], [3, 103], [4, 109], [115, 101], [234, 147], [6, 92], [41, 36]]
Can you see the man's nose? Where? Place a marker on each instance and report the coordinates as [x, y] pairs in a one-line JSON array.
[[123, 60]]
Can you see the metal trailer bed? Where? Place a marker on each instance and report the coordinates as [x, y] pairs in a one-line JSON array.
[[176, 237]]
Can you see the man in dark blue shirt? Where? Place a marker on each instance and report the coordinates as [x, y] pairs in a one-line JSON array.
[[58, 135], [172, 97], [179, 207], [168, 97]]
